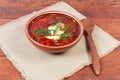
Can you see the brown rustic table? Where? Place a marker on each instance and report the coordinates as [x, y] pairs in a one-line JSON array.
[[105, 13]]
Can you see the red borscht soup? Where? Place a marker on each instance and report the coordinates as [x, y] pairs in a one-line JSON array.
[[54, 29]]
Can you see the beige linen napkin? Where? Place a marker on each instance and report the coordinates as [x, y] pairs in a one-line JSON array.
[[35, 64]]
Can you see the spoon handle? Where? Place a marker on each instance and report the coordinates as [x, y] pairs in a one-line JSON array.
[[94, 55]]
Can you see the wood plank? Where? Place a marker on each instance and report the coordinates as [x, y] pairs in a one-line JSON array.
[[1, 53], [110, 69], [108, 62], [112, 26], [105, 13], [97, 8], [8, 71], [3, 21]]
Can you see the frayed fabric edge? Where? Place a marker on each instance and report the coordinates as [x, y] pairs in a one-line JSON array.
[[88, 63], [7, 53]]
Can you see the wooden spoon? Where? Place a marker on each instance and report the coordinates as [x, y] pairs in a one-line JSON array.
[[89, 27]]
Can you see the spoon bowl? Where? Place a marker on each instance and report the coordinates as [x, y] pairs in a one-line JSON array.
[[89, 27]]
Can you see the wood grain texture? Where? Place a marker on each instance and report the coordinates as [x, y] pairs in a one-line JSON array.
[[105, 13], [8, 72], [89, 27], [110, 69]]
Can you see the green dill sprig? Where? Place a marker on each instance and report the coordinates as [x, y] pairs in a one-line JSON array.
[[42, 31], [65, 35]]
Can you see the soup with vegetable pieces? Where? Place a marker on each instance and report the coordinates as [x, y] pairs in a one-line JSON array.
[[54, 29]]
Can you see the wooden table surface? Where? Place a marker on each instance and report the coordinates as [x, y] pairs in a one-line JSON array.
[[105, 13]]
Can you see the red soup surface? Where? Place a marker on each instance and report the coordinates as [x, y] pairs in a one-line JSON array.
[[54, 29]]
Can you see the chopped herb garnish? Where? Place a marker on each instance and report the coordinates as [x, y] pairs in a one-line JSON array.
[[57, 29], [65, 35], [42, 31], [64, 29], [57, 24]]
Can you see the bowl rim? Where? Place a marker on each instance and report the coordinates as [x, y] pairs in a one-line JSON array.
[[60, 12]]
